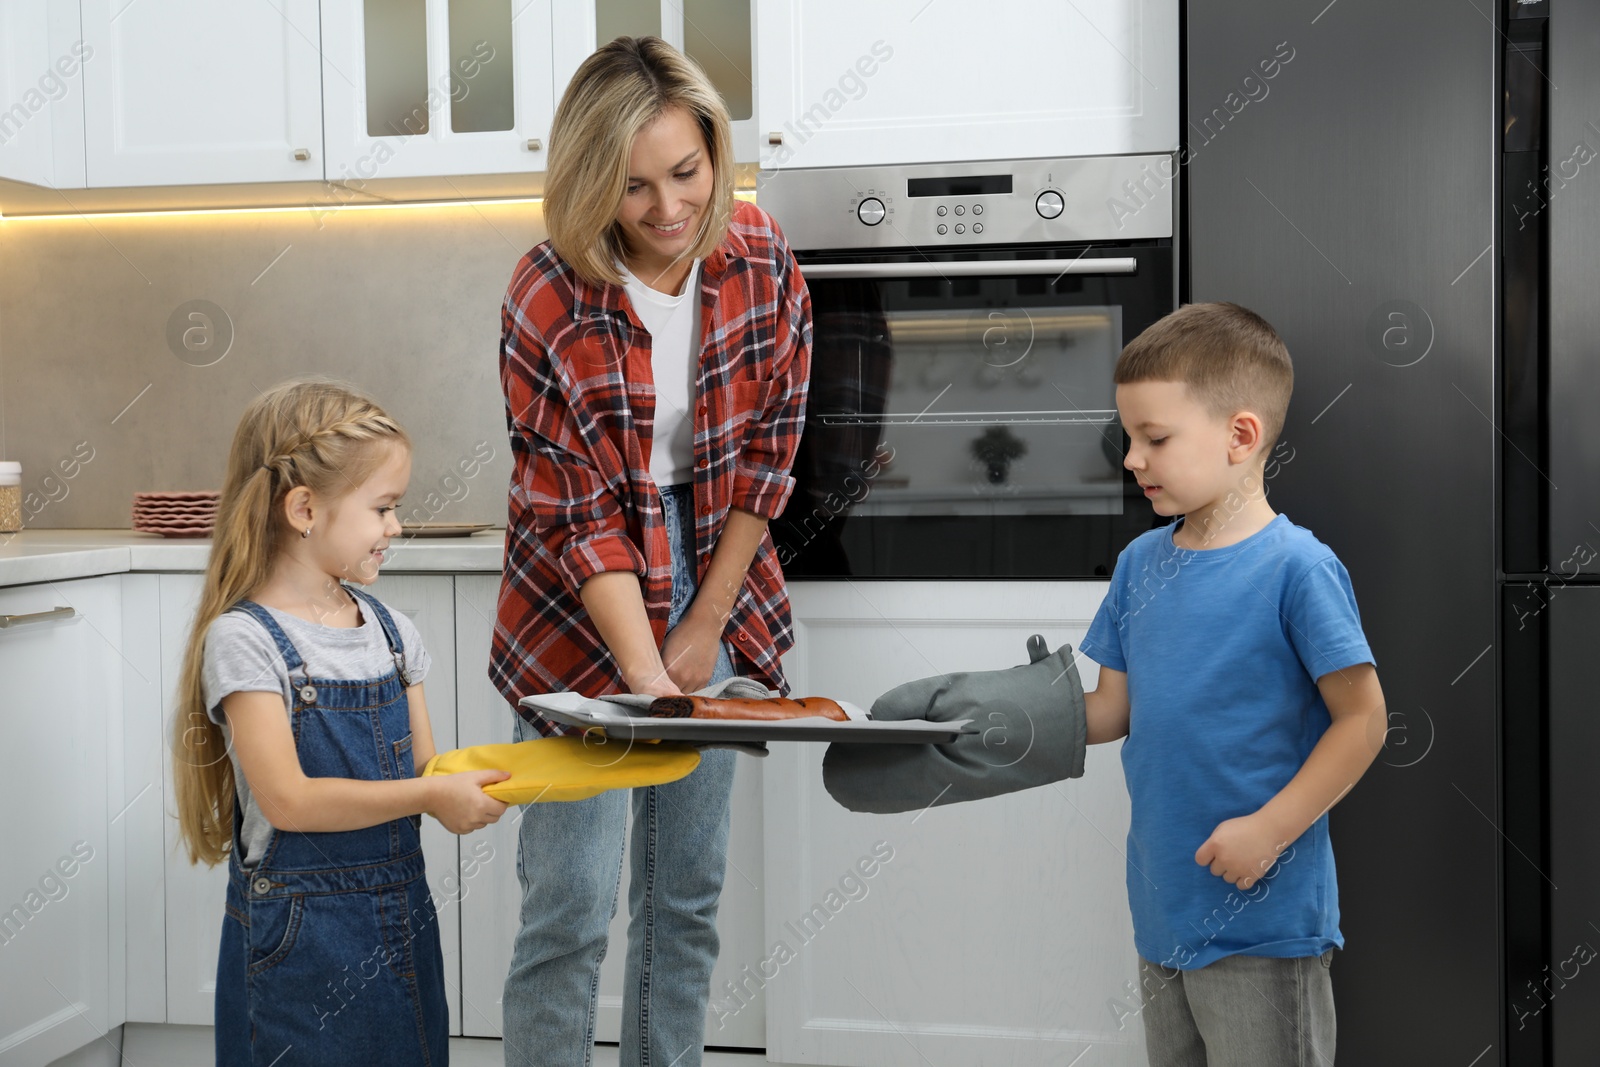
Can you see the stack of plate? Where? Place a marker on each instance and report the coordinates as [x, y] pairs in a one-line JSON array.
[[175, 514]]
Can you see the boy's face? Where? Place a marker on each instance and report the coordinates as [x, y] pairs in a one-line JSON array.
[[1178, 451]]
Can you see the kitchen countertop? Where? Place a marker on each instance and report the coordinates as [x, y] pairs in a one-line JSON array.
[[61, 555]]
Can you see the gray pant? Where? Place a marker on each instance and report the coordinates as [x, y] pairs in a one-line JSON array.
[[1241, 1011]]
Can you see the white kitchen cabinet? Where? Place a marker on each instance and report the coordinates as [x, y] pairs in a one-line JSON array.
[[436, 87], [991, 932], [719, 35], [42, 57], [842, 83], [185, 92], [146, 798], [492, 895], [194, 895], [61, 927]]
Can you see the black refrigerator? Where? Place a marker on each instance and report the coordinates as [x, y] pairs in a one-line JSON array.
[[1344, 177], [1550, 532]]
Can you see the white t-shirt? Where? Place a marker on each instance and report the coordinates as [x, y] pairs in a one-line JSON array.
[[674, 325]]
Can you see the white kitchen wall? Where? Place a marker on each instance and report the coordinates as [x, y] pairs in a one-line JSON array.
[[109, 384]]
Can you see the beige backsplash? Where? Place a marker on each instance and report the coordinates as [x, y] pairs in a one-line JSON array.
[[405, 303]]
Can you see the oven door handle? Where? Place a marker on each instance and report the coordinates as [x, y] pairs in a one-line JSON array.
[[971, 268]]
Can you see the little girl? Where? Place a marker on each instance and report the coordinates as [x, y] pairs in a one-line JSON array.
[[313, 690]]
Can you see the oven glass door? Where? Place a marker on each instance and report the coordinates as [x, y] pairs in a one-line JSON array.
[[961, 419]]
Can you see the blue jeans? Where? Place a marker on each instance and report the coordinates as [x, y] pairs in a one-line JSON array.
[[570, 863]]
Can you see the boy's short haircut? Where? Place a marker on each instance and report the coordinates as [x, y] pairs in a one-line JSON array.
[[1231, 359]]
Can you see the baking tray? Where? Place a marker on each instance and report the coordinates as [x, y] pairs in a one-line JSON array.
[[443, 529], [613, 720]]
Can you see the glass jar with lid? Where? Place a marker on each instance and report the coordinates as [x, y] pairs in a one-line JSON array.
[[10, 497]]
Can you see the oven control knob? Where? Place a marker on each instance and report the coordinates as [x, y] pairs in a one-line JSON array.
[[870, 211], [1049, 204]]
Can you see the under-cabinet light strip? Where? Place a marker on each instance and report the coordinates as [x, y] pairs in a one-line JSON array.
[[741, 194], [317, 208]]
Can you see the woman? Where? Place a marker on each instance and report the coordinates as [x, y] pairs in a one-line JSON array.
[[654, 356]]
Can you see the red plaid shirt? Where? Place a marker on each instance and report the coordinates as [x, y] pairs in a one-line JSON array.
[[580, 399]]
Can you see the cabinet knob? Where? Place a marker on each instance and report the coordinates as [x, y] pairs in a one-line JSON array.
[[775, 137], [301, 154], [533, 144]]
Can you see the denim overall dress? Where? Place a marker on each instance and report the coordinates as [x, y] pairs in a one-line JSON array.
[[330, 944]]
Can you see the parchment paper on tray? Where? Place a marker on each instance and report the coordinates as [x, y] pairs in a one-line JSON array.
[[627, 716]]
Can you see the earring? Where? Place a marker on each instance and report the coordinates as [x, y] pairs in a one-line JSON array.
[[306, 532]]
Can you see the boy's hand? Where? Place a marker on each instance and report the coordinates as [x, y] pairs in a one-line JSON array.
[[1030, 732], [460, 803], [1241, 850]]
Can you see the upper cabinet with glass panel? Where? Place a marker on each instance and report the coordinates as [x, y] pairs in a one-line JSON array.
[[717, 34], [415, 88]]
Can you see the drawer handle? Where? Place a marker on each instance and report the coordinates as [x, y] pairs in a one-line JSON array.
[[8, 621]]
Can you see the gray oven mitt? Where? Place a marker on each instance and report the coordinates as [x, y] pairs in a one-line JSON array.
[[1031, 731]]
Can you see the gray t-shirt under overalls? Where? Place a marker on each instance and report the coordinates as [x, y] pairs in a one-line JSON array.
[[240, 657]]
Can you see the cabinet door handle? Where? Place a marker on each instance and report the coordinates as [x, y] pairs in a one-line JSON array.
[[300, 155], [8, 621]]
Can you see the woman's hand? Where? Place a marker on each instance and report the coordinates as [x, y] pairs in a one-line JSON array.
[[690, 651], [461, 805], [616, 604], [656, 684], [691, 648]]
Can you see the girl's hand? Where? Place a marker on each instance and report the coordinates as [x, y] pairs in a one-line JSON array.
[[1241, 850], [690, 652], [461, 805]]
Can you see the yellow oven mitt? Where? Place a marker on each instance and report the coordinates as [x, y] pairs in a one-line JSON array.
[[568, 768]]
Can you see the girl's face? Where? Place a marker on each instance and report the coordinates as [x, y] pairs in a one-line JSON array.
[[669, 185], [358, 526]]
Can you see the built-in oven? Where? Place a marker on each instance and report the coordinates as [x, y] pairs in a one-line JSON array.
[[966, 321]]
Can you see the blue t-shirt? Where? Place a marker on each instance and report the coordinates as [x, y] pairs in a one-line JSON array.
[[1222, 648]]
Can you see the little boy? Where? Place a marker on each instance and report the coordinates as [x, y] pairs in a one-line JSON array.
[[1232, 659]]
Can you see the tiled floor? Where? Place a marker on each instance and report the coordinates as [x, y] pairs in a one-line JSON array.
[[146, 1045], [468, 1053]]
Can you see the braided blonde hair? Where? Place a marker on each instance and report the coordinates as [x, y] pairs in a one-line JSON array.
[[311, 432]]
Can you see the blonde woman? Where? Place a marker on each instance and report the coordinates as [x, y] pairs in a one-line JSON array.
[[654, 358], [301, 726]]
